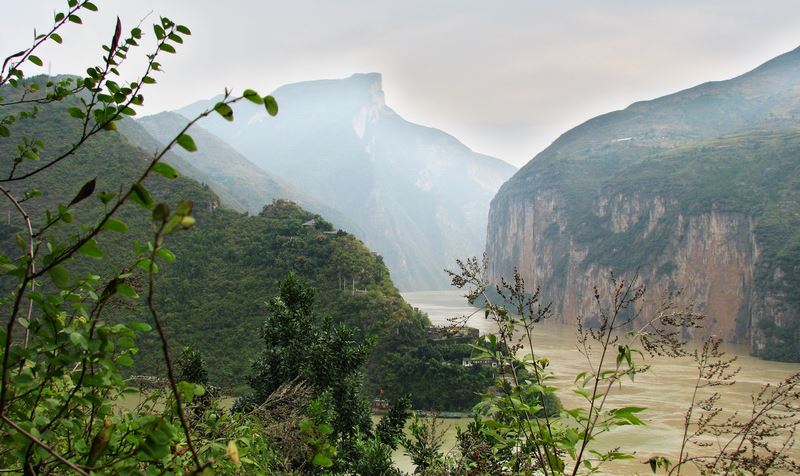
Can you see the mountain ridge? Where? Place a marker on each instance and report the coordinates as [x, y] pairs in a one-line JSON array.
[[419, 195], [690, 188]]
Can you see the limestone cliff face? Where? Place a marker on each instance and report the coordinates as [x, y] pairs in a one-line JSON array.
[[710, 258], [698, 192]]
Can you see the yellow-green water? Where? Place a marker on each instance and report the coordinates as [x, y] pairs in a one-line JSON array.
[[665, 391]]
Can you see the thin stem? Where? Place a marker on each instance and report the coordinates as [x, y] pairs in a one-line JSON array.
[[688, 417], [29, 252], [26, 53], [44, 446], [165, 344], [594, 413]]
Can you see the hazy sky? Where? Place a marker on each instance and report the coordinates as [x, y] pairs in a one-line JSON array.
[[505, 77]]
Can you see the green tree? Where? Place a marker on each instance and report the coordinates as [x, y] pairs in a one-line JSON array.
[[301, 345], [192, 367], [63, 347]]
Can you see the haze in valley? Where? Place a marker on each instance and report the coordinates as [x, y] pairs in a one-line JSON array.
[[506, 78]]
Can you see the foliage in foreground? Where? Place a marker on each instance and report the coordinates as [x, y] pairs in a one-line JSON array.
[[76, 285], [515, 431], [212, 296], [65, 403]]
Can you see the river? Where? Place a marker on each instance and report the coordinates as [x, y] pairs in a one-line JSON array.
[[665, 391]]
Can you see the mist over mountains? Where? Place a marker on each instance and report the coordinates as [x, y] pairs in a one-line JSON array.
[[414, 194]]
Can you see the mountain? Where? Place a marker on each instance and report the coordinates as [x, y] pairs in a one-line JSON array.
[[698, 191], [240, 184], [228, 265], [420, 196], [225, 168]]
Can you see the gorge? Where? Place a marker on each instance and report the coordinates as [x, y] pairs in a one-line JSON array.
[[696, 192]]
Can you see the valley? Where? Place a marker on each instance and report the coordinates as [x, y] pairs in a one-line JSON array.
[[218, 281]]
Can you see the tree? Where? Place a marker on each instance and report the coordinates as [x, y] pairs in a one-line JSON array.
[[300, 345], [63, 352]]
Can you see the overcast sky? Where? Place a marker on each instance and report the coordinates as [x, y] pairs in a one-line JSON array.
[[505, 77]]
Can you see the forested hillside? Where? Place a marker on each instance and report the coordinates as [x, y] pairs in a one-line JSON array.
[[213, 296]]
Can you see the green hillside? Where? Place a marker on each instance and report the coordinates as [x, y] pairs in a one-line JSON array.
[[213, 297]]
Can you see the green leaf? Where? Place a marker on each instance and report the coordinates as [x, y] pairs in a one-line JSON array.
[[141, 196], [91, 250], [144, 265], [57, 38], [60, 276], [35, 60], [253, 97], [75, 19], [7, 268], [156, 445], [167, 47], [627, 414], [76, 112], [166, 254], [127, 291], [79, 340], [322, 460], [165, 170], [186, 141], [140, 326], [224, 110], [271, 105], [117, 226], [90, 6], [556, 463], [4, 132], [186, 390], [106, 197], [24, 378], [183, 30], [158, 31]]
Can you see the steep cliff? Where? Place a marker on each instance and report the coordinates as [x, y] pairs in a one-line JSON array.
[[419, 196], [698, 191]]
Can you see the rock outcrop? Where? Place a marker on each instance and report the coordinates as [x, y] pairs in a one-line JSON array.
[[696, 192]]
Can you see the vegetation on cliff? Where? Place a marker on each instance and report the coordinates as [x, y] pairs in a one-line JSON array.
[[86, 273], [728, 147]]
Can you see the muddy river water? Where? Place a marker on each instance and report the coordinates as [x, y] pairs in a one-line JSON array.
[[665, 391]]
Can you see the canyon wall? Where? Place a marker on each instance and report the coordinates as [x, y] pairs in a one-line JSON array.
[[697, 192]]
